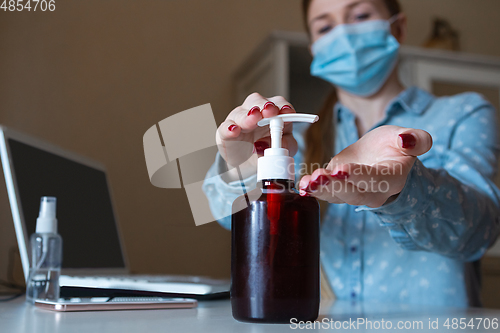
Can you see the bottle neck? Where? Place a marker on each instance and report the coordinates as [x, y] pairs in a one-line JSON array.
[[278, 184]]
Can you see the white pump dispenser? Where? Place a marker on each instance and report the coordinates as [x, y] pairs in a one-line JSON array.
[[276, 162]]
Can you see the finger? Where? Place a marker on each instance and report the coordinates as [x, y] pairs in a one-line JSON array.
[[283, 105], [228, 130], [318, 185], [266, 106], [270, 110], [287, 109], [325, 194], [384, 177], [261, 145], [319, 178], [288, 143], [254, 108], [249, 113], [413, 142], [254, 99], [304, 183], [348, 193], [247, 119]]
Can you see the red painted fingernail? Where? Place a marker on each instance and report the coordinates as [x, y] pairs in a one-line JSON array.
[[253, 110], [322, 180], [260, 146], [341, 175], [268, 104], [409, 141], [286, 107], [313, 186], [232, 128], [306, 189]]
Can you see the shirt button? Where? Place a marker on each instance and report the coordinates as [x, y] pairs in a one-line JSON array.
[[353, 249], [353, 294]]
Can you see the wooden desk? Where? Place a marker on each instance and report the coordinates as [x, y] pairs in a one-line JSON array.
[[215, 316]]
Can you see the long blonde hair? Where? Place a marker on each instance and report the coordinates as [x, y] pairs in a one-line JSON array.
[[320, 135]]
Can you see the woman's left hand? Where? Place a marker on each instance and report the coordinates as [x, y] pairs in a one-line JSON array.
[[370, 172]]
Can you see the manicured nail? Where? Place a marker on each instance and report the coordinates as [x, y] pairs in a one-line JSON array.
[[284, 107], [341, 175], [253, 110], [313, 187], [322, 180], [232, 128], [268, 104], [409, 141], [260, 146], [306, 189], [303, 193]]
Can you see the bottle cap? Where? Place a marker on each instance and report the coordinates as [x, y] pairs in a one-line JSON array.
[[276, 162], [47, 221]]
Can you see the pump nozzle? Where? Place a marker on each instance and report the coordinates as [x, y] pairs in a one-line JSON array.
[[276, 162], [277, 123]]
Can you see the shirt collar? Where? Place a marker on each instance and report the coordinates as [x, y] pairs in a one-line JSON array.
[[414, 100], [337, 111]]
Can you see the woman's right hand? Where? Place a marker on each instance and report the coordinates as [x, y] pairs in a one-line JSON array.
[[240, 140]]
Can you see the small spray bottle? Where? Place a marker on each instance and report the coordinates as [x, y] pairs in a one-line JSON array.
[[46, 255], [275, 241]]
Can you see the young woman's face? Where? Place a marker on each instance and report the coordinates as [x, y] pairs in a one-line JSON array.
[[324, 15]]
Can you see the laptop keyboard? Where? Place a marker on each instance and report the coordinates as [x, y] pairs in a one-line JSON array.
[[155, 283]]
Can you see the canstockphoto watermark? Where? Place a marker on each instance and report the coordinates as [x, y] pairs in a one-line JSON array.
[[475, 323], [356, 324]]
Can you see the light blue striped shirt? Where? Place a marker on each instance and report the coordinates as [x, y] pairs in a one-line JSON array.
[[421, 248]]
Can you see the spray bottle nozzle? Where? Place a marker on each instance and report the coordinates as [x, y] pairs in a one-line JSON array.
[[47, 207], [47, 221], [276, 163]]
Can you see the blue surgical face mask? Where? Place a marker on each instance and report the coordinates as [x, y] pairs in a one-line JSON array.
[[357, 58]]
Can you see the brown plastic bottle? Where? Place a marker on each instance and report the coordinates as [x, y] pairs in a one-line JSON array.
[[275, 264]]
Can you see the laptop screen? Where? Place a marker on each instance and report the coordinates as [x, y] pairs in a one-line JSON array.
[[85, 216]]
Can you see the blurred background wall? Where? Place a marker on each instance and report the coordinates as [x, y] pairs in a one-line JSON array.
[[94, 75]]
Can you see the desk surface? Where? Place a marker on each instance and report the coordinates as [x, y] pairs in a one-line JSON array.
[[215, 316]]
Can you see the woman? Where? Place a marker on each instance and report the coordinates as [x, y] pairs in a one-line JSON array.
[[404, 223]]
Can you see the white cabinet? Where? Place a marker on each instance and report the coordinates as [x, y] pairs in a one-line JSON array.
[[280, 66]]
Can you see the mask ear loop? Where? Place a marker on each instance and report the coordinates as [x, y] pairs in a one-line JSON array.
[[394, 18]]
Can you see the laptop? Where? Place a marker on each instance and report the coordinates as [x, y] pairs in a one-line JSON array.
[[94, 259]]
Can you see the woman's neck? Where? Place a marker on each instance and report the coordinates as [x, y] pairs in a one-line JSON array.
[[370, 110]]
